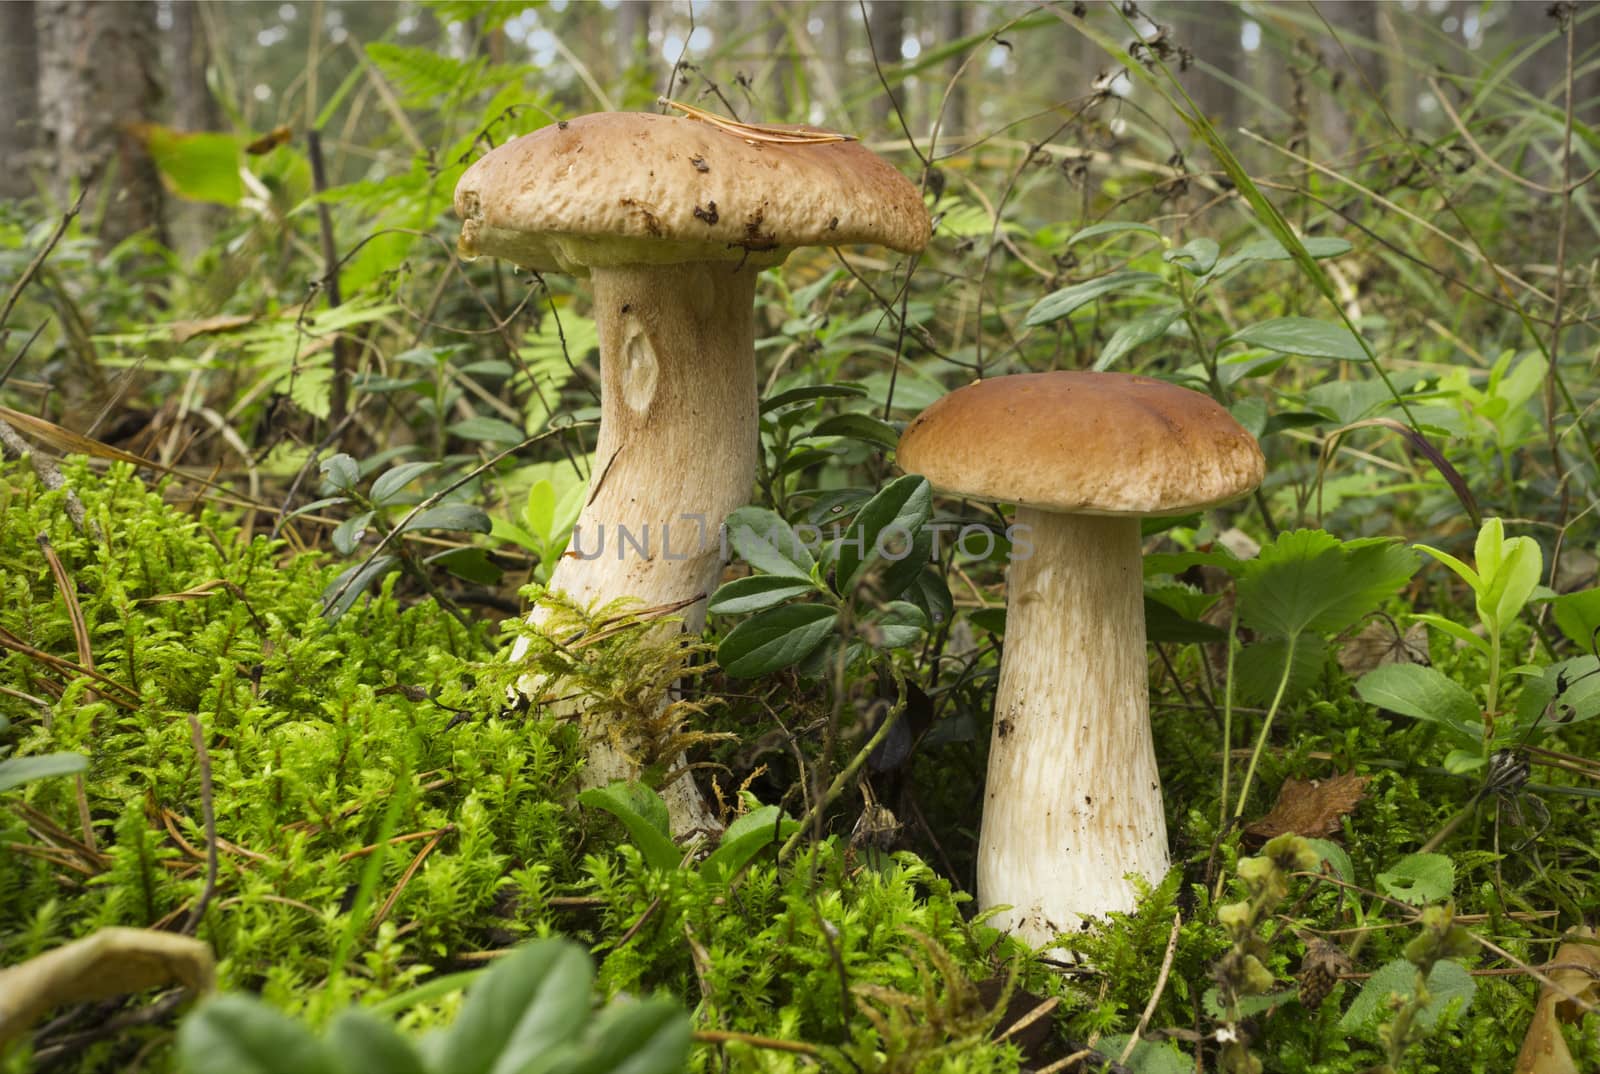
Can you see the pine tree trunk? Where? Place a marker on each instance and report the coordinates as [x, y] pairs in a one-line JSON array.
[[97, 84], [19, 100]]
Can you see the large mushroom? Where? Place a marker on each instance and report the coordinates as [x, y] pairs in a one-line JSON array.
[[1072, 804], [671, 218]]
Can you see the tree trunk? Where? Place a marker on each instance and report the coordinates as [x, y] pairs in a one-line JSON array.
[[886, 20], [955, 24], [1211, 31], [97, 84], [193, 109], [19, 100], [633, 33]]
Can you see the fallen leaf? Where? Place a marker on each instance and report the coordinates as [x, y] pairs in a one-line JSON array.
[[111, 962], [1311, 807], [184, 331], [1380, 644], [1575, 973]]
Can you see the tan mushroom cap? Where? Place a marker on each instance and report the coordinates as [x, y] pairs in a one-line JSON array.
[[628, 188], [1084, 443]]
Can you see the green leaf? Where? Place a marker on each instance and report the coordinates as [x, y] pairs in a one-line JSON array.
[[1259, 668], [492, 430], [347, 535], [1336, 856], [341, 471], [469, 564], [362, 575], [1305, 336], [1578, 616], [362, 1043], [1424, 694], [1420, 878], [644, 814], [1513, 570], [858, 427], [769, 544], [1309, 580], [460, 517], [1065, 302], [649, 1036], [811, 393], [775, 639], [525, 1005], [1196, 257], [1273, 250], [901, 624], [1453, 629], [197, 166], [901, 510], [540, 513], [1148, 1056], [757, 593], [386, 490], [930, 592], [744, 839], [1110, 227], [16, 771], [1448, 981], [1135, 334], [243, 1035]]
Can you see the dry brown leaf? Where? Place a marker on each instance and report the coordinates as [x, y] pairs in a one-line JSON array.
[[1379, 644], [111, 962], [184, 331], [1311, 807], [1576, 972]]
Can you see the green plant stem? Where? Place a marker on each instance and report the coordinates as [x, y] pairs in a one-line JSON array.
[[1227, 713], [1266, 725], [842, 780]]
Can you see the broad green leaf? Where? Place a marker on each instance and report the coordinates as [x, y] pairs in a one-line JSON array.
[[16, 771], [197, 166], [1309, 580], [1135, 334], [902, 573], [1259, 668], [1065, 302], [1448, 982], [1336, 856], [1424, 694], [775, 639], [1420, 878], [1148, 1056], [460, 517], [1163, 623], [470, 564], [649, 1036], [1305, 336], [341, 471], [493, 430], [768, 543], [901, 624], [744, 839], [644, 814], [363, 1043], [1578, 616], [930, 592], [858, 427], [1273, 250], [243, 1035], [1511, 582], [757, 593], [811, 393], [387, 489], [1196, 257], [540, 512], [892, 518], [347, 535], [1562, 694], [523, 1006], [1466, 573]]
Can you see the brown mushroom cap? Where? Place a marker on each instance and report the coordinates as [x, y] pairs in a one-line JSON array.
[[619, 188], [1085, 443]]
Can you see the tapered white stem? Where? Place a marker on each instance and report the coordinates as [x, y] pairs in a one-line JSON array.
[[1073, 799], [676, 454]]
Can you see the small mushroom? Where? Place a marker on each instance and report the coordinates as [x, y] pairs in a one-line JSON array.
[[1073, 799], [671, 219]]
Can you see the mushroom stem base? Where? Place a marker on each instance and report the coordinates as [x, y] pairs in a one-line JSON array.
[[676, 454], [1073, 799]]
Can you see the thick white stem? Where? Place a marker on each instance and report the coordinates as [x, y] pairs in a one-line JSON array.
[[676, 454], [1073, 799]]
